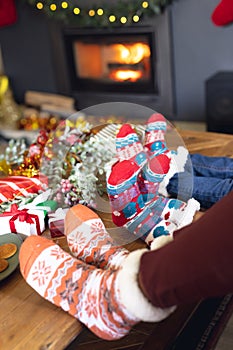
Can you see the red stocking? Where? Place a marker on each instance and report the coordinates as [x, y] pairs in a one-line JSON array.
[[223, 13], [7, 12]]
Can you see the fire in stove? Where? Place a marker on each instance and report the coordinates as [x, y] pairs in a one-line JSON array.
[[116, 62], [132, 61]]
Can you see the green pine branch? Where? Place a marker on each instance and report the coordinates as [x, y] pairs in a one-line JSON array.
[[126, 8]]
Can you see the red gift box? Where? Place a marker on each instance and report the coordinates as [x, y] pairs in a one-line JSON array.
[[56, 222], [14, 186]]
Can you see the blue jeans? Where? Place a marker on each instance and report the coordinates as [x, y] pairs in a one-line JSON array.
[[207, 179]]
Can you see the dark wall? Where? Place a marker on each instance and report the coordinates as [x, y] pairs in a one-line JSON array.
[[200, 50], [26, 52]]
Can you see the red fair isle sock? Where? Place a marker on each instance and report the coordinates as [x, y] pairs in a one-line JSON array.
[[159, 161], [154, 142], [152, 175], [88, 239], [129, 147], [223, 13], [162, 163], [124, 194]]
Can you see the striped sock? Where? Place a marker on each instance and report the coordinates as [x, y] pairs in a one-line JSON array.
[[129, 147], [154, 142], [124, 195], [162, 217], [159, 157], [152, 175]]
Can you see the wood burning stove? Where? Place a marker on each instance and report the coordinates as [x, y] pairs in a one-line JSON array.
[[121, 64], [111, 62]]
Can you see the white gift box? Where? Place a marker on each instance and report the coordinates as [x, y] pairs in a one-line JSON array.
[[26, 222]]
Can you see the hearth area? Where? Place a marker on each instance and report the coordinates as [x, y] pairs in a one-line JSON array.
[[122, 64], [109, 62]]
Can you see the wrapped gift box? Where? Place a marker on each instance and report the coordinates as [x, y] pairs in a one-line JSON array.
[[41, 202], [14, 186], [56, 222], [47, 206], [24, 221]]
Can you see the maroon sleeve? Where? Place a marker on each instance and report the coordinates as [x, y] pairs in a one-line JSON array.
[[197, 264]]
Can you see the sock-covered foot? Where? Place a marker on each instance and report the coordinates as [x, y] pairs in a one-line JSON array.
[[129, 209], [162, 217], [152, 175], [163, 163], [128, 146], [124, 194], [158, 157], [175, 215], [223, 13], [88, 239], [154, 142], [106, 301]]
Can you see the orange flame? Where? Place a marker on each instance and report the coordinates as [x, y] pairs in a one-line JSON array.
[[128, 74], [131, 53]]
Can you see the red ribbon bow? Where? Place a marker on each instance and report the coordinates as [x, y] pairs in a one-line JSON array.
[[23, 216]]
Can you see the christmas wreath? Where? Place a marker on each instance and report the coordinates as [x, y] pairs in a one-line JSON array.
[[103, 14]]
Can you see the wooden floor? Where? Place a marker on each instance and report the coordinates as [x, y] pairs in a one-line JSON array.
[[145, 337], [226, 340], [134, 341]]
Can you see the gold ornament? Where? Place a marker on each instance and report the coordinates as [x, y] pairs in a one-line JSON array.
[[10, 112]]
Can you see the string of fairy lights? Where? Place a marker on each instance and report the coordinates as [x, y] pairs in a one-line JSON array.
[[122, 12]]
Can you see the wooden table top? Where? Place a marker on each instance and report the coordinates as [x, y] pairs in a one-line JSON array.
[[27, 321]]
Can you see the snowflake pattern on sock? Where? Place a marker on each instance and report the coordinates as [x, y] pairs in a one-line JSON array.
[[85, 292], [88, 239]]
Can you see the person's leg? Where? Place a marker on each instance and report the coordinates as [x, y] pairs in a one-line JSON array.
[[217, 167], [197, 264], [106, 301], [209, 191], [208, 180]]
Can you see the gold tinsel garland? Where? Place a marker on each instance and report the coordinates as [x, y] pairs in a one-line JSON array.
[[100, 13]]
